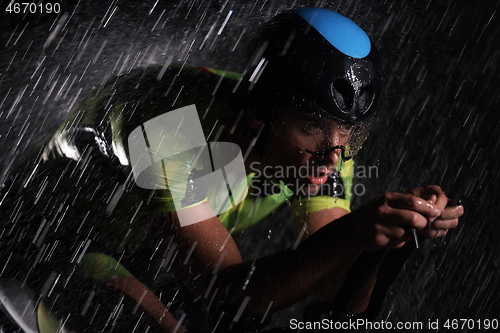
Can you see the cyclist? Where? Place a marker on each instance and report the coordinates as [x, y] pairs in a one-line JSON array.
[[104, 238]]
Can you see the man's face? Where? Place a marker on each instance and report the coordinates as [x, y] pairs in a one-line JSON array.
[[292, 133]]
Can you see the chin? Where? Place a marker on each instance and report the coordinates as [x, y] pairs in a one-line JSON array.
[[313, 189]]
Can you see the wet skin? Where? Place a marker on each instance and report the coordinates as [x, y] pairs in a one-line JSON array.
[[291, 134], [424, 208]]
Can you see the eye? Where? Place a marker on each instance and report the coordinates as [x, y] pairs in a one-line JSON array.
[[312, 128], [344, 128]]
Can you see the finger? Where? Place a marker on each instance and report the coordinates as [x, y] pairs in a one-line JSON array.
[[392, 244], [441, 202], [443, 224], [441, 199], [429, 233], [452, 212], [427, 192], [394, 237], [397, 216], [394, 233], [432, 200], [412, 202]]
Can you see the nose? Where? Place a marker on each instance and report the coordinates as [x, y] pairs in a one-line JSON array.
[[328, 158], [332, 157], [331, 146]]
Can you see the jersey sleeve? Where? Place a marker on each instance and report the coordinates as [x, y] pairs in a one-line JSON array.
[[177, 177], [336, 192], [164, 156]]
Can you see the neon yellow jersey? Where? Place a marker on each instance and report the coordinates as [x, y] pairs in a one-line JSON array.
[[98, 130], [254, 208]]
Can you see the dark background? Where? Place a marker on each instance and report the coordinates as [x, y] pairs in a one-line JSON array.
[[438, 123]]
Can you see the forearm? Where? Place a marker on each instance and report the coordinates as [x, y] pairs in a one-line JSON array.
[[350, 290], [291, 275], [215, 271], [310, 223], [359, 294], [361, 297], [327, 289], [362, 289]]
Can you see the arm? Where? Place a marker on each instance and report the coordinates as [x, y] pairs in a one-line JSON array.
[[288, 276], [327, 290], [360, 297], [283, 278]]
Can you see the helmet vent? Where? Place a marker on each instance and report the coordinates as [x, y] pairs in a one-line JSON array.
[[343, 94], [365, 100]]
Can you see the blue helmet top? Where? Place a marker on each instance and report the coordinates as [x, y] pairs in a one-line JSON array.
[[338, 30]]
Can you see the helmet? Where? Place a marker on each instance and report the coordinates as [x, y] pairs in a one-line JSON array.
[[315, 60]]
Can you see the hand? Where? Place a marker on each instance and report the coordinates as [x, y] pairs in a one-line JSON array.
[[384, 222], [448, 219]]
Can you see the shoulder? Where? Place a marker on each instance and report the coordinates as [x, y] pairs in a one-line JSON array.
[[105, 117]]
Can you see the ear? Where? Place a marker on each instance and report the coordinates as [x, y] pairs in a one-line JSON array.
[[252, 120]]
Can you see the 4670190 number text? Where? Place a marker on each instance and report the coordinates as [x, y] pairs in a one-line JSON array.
[[33, 8], [461, 324]]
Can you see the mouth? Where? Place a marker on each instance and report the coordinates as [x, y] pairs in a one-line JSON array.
[[319, 177], [320, 180]]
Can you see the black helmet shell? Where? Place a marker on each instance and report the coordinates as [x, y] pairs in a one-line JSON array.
[[318, 61]]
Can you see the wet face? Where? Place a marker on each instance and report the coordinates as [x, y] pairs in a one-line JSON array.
[[291, 134]]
